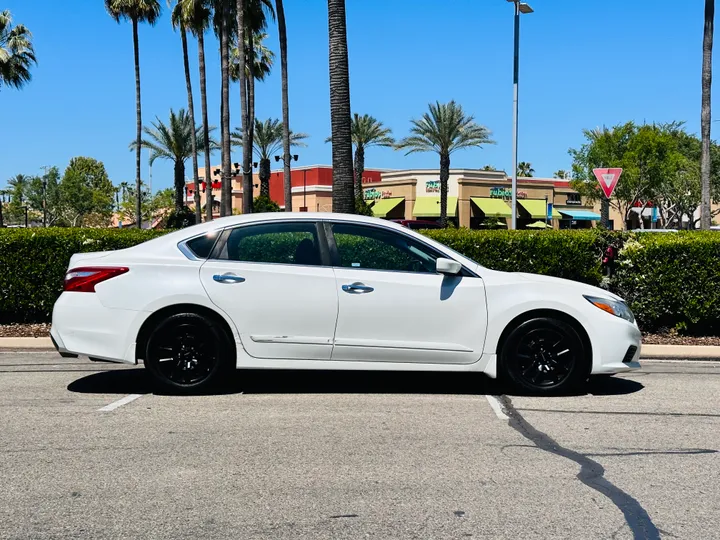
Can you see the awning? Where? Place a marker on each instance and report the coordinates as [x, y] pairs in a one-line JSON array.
[[383, 206], [537, 208], [579, 215], [539, 225], [492, 207], [430, 207]]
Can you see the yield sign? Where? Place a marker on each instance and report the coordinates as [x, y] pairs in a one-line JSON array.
[[608, 179]]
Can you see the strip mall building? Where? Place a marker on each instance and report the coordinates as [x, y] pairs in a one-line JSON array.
[[476, 198]]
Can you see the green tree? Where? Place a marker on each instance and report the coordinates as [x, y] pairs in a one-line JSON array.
[[17, 54], [197, 15], [444, 130], [708, 36], [268, 141], [562, 174], [136, 11], [647, 154], [172, 141], [340, 115], [181, 20], [525, 169], [282, 35], [44, 193], [85, 189]]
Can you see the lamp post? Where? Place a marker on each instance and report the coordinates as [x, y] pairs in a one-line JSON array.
[[293, 157], [520, 7]]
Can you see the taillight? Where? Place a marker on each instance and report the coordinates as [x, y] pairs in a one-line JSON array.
[[85, 278]]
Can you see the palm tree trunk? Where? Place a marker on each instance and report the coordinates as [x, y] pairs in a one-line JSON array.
[[179, 181], [191, 112], [246, 149], [287, 173], [340, 119], [444, 177], [206, 127], [226, 207], [705, 218], [247, 156], [138, 132], [264, 177], [359, 170]]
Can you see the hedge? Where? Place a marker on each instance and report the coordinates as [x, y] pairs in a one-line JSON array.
[[669, 280], [33, 264]]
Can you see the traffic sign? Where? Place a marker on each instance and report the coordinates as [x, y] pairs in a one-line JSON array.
[[608, 179]]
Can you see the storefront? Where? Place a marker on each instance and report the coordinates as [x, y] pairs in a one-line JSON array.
[[478, 199]]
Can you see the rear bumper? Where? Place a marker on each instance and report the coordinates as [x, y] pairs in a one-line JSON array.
[[81, 325]]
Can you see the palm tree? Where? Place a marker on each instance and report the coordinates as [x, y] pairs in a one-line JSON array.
[[268, 141], [136, 11], [16, 52], [525, 169], [445, 129], [251, 21], [706, 112], [562, 174], [179, 20], [282, 35], [173, 142], [340, 117], [197, 16], [366, 132], [224, 14]]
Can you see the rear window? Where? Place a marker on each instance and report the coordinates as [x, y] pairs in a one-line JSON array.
[[202, 245]]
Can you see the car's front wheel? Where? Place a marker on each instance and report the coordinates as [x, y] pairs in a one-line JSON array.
[[186, 353], [544, 356]]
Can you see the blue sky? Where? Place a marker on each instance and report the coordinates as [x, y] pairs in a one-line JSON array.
[[583, 64]]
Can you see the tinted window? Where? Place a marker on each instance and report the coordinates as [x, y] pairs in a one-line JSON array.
[[202, 245], [374, 248], [279, 243]]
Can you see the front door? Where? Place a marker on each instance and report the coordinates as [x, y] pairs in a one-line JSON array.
[[394, 306], [274, 281]]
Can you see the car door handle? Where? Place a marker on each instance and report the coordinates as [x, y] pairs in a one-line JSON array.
[[357, 288], [228, 278]]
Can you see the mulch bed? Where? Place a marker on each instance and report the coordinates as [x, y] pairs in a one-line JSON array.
[[43, 330]]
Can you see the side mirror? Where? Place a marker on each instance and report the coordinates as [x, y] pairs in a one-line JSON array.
[[447, 267]]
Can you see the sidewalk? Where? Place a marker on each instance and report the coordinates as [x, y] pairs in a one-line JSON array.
[[648, 352]]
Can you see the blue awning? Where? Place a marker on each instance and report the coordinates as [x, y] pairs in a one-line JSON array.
[[579, 215]]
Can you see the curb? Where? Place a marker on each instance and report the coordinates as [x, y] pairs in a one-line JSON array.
[[648, 352]]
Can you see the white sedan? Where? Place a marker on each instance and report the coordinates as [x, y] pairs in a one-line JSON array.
[[332, 291]]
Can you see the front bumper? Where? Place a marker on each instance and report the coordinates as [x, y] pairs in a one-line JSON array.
[[616, 347]]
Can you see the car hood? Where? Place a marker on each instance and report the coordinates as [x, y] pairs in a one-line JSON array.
[[583, 288]]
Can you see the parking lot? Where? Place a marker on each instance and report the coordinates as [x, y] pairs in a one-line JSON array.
[[89, 452]]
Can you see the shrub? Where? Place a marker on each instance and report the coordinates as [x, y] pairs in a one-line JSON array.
[[263, 203], [180, 219], [672, 280], [33, 264]]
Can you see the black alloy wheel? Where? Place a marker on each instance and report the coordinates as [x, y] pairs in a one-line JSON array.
[[545, 356], [186, 352]]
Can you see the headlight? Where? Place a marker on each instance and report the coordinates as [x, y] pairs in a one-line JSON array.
[[613, 307]]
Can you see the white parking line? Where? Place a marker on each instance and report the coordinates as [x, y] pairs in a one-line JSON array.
[[497, 407], [120, 402]]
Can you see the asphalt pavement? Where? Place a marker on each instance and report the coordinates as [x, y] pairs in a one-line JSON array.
[[88, 451]]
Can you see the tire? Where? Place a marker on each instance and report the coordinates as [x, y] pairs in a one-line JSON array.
[[187, 353], [545, 356]]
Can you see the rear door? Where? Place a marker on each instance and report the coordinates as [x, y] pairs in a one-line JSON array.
[[275, 282]]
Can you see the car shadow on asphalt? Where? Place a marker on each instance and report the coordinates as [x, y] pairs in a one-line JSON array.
[[137, 381]]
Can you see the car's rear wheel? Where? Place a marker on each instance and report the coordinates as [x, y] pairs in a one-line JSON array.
[[186, 353], [544, 356]]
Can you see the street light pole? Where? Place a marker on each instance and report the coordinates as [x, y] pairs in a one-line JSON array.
[[520, 7]]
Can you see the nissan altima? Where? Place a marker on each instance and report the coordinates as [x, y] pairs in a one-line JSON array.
[[332, 291]]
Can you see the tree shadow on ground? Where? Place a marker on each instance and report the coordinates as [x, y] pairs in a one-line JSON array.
[[138, 381]]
